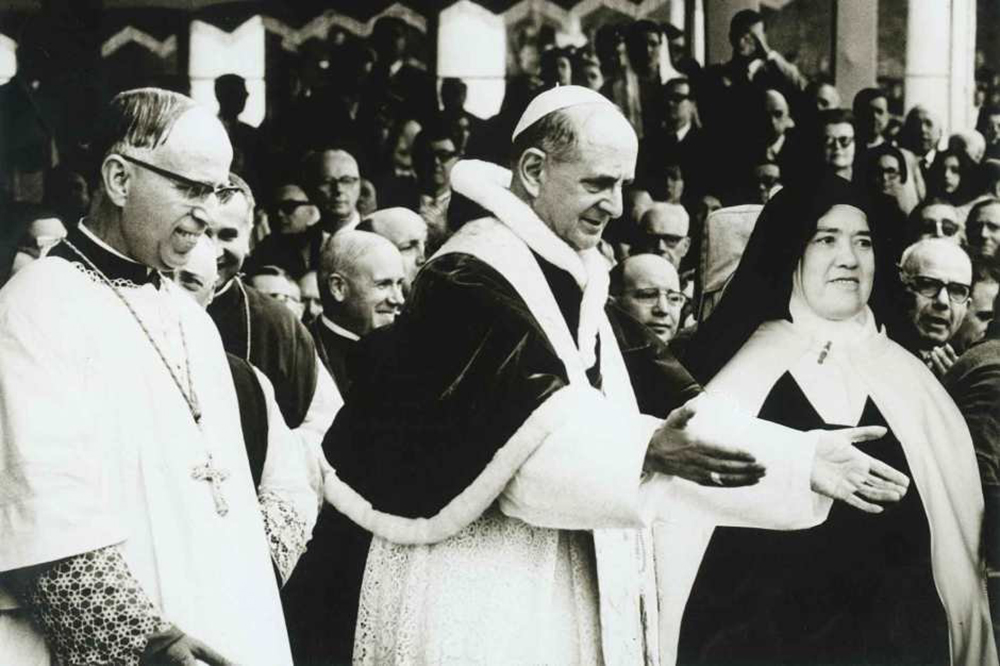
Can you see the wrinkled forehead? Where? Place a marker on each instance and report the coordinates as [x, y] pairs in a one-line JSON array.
[[943, 260], [666, 222]]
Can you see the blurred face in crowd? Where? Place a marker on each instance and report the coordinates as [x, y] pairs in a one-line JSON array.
[[951, 175], [437, 163], [766, 181], [939, 220], [651, 292], [199, 275], [337, 185], [664, 231], [875, 117], [639, 202], [928, 131], [680, 107], [372, 292], [311, 303], [402, 157], [163, 216], [985, 238], [367, 199], [779, 118], [229, 229], [652, 40], [969, 142], [577, 196], [591, 75], [293, 211], [408, 232], [938, 274], [837, 268], [992, 129], [281, 289], [564, 70], [827, 97], [838, 145], [678, 48], [674, 190], [978, 316], [748, 45], [888, 174]]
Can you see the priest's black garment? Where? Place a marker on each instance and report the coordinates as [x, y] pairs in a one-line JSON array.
[[856, 590], [458, 373]]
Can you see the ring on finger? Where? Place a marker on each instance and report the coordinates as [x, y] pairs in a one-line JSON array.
[[716, 478]]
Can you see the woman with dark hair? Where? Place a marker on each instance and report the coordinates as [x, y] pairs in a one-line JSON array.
[[798, 339], [953, 177]]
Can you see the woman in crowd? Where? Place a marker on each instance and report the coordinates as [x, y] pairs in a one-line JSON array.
[[798, 339], [952, 177]]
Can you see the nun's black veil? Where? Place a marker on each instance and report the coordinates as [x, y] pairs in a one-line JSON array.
[[761, 287]]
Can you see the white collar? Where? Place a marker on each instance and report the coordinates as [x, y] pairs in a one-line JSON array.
[[682, 132], [489, 186], [339, 330]]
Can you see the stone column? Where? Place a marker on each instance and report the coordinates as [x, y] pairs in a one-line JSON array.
[[940, 57], [855, 47], [695, 28], [472, 46], [717, 16]]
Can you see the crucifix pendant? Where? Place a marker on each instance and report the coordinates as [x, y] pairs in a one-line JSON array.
[[215, 476]]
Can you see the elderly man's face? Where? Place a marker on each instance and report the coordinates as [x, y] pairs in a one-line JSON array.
[[311, 301], [229, 229], [294, 212], [163, 218], [372, 294], [577, 198], [838, 145], [939, 221], [199, 274], [281, 289], [936, 317], [338, 185], [664, 233], [651, 292], [986, 237], [929, 132], [408, 232], [978, 316]]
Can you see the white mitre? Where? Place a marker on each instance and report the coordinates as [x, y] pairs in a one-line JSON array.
[[555, 99]]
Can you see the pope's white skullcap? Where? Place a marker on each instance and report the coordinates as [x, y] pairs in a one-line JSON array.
[[554, 99]]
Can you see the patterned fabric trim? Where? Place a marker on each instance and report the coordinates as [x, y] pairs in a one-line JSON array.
[[120, 283], [92, 610], [286, 532]]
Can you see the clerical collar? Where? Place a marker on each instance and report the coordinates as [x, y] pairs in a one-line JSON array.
[[339, 330], [121, 270]]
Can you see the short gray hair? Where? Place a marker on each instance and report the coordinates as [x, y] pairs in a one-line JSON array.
[[554, 133], [342, 251], [140, 118]]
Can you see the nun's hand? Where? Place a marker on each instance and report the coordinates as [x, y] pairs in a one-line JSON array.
[[677, 451], [844, 473]]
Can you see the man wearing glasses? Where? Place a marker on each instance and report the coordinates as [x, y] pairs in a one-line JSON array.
[[130, 528], [648, 288], [938, 275], [434, 155], [333, 182], [934, 218]]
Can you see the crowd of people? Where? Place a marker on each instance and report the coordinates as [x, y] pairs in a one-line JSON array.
[[661, 364]]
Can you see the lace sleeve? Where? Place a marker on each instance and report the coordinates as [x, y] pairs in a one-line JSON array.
[[287, 533], [91, 609]]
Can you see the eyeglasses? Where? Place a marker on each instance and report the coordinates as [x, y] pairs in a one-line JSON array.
[[677, 98], [196, 191], [445, 155], [651, 296], [842, 141], [939, 228], [289, 206], [930, 287], [343, 181], [654, 240], [890, 173]]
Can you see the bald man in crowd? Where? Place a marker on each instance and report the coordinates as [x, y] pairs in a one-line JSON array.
[[937, 273], [647, 287], [407, 231], [360, 278], [663, 230]]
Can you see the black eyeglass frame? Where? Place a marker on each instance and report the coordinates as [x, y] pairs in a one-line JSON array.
[[203, 190], [957, 298]]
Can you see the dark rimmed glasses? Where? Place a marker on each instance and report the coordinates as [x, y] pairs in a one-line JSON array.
[[929, 287], [196, 191], [651, 296]]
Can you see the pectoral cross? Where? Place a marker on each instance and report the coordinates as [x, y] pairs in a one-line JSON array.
[[215, 476]]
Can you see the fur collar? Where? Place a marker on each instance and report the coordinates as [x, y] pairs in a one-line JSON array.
[[489, 186]]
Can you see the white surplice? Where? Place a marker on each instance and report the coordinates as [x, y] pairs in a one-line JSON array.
[[97, 447]]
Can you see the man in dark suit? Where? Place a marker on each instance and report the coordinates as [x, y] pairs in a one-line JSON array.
[[361, 278], [974, 384], [678, 140]]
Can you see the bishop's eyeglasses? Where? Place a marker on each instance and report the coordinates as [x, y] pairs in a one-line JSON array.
[[195, 191], [651, 296]]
